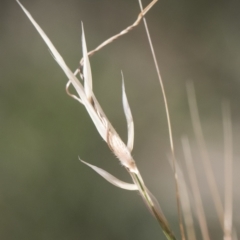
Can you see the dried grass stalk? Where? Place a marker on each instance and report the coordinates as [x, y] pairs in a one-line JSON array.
[[195, 189], [169, 126], [104, 127], [228, 157]]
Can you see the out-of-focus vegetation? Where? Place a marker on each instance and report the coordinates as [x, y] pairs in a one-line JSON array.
[[45, 192]]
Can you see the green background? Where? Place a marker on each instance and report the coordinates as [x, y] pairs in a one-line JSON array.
[[45, 192]]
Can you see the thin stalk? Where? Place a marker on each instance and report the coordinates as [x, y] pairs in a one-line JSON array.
[[186, 206], [227, 129], [195, 188], [198, 132], [169, 126]]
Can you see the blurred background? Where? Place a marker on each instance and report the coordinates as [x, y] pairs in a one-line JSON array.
[[45, 192]]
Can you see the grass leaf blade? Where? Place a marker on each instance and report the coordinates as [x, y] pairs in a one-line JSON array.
[[129, 118], [110, 178], [87, 73]]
